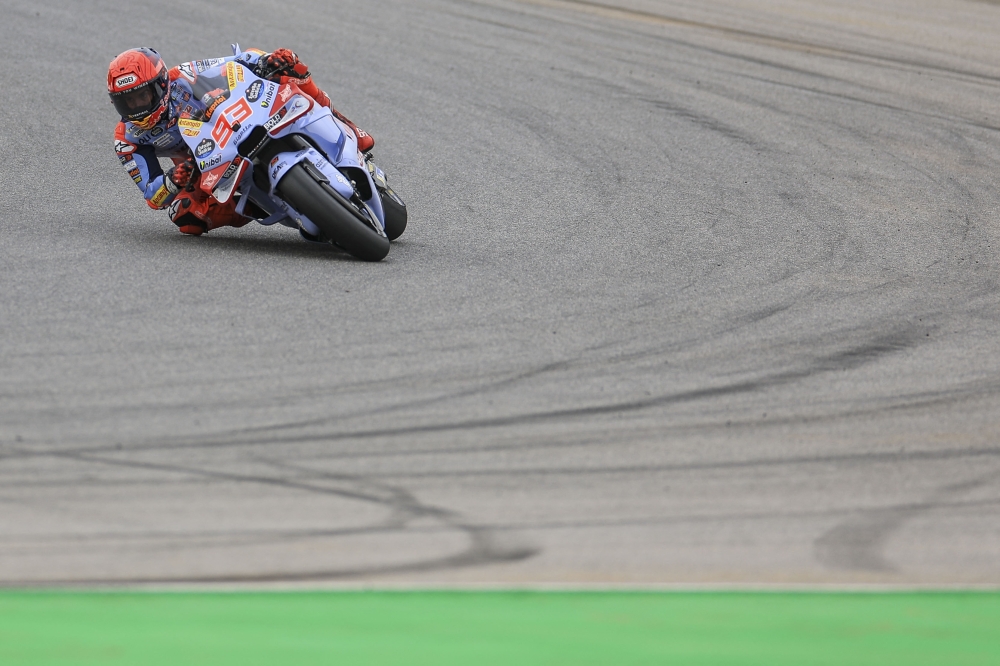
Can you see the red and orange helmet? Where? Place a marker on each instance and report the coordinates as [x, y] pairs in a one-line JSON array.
[[137, 83]]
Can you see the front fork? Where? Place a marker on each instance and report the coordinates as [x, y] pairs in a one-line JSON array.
[[380, 179], [281, 213]]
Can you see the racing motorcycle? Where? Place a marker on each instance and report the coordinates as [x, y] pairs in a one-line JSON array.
[[290, 161]]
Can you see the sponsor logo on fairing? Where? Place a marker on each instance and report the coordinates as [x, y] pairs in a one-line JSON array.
[[190, 123], [204, 148], [275, 170], [231, 74], [253, 91], [268, 96], [231, 169], [275, 119], [209, 179], [187, 131], [123, 147], [239, 135], [205, 165], [285, 93], [126, 80]]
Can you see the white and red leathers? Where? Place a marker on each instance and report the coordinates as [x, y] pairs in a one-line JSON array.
[[194, 94]]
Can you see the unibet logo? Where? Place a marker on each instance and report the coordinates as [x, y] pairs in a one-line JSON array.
[[205, 165], [123, 81]]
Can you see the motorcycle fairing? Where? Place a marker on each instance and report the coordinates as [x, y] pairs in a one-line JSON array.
[[282, 110]]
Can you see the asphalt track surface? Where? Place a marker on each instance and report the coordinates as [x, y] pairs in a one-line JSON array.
[[692, 292]]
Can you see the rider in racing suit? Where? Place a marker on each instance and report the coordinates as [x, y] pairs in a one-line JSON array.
[[150, 99]]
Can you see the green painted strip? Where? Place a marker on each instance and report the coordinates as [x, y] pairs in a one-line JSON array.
[[483, 628]]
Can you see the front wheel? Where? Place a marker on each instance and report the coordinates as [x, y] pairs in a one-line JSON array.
[[395, 213], [341, 222]]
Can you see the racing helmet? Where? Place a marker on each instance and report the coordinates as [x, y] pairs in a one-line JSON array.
[[137, 84]]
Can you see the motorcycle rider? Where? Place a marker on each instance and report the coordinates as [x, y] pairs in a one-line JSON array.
[[151, 99]]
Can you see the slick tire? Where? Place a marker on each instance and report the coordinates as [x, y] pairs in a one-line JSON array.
[[334, 215], [395, 213]]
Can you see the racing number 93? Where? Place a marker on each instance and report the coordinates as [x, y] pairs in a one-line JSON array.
[[234, 113]]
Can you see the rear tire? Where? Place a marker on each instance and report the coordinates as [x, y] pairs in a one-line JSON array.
[[395, 213], [335, 216]]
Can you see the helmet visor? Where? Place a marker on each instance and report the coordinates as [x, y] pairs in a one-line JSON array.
[[138, 102]]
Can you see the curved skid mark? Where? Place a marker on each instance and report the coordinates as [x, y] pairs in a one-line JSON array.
[[857, 544], [846, 359], [483, 547]]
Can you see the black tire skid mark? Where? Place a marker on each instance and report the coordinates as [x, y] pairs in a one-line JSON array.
[[483, 547], [849, 358], [857, 544]]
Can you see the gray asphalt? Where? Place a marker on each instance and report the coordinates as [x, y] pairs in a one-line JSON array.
[[692, 292]]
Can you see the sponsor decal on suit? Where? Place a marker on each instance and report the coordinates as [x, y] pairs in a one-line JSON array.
[[160, 196]]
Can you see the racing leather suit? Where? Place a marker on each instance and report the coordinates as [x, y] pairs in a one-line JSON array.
[[192, 94]]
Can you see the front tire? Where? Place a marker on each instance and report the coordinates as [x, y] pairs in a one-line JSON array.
[[395, 213], [339, 221]]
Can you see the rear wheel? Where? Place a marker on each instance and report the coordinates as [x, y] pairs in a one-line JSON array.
[[340, 221], [395, 213]]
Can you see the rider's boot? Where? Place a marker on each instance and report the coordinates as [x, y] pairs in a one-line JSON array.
[[188, 211], [224, 215], [194, 213], [365, 140]]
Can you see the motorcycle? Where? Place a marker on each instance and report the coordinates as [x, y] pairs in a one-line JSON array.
[[290, 161]]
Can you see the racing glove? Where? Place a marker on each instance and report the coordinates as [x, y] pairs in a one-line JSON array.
[[179, 176], [286, 62], [212, 100]]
